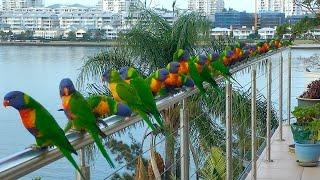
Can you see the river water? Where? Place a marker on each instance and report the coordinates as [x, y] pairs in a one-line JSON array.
[[38, 71]]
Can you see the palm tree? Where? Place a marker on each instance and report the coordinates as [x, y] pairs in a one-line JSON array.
[[150, 44]]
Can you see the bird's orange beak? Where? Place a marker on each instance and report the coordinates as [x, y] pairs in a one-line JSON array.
[[66, 91], [6, 103]]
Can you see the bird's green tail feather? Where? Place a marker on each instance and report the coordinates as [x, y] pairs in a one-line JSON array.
[[68, 155], [98, 141], [147, 120]]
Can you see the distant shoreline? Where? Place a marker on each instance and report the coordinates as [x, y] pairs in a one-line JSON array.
[[59, 43]]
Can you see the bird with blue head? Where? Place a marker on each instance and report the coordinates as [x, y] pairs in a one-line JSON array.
[[80, 115], [41, 124], [156, 80]]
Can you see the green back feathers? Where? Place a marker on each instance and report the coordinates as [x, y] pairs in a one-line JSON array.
[[132, 73], [48, 126], [115, 76], [178, 54]]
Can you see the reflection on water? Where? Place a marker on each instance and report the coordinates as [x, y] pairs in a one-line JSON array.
[[38, 70]]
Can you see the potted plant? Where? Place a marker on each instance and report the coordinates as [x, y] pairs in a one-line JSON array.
[[311, 96], [306, 134], [308, 151]]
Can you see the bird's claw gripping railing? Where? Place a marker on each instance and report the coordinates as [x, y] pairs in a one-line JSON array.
[[27, 161]]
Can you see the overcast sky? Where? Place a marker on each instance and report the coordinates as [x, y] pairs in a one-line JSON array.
[[240, 5]]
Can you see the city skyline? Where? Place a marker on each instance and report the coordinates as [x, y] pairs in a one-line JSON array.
[[234, 4]]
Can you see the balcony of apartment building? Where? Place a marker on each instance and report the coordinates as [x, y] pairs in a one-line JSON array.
[[272, 82]]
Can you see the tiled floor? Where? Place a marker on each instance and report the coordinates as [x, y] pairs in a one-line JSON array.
[[284, 165]]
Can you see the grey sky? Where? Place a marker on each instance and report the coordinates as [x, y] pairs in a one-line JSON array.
[[240, 5]]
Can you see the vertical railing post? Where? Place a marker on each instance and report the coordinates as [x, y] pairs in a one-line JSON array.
[[269, 86], [229, 130], [253, 124], [184, 149], [280, 97], [85, 169], [289, 88]]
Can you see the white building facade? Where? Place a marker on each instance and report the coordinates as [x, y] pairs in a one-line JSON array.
[[17, 4], [118, 6], [289, 7], [51, 23], [206, 7]]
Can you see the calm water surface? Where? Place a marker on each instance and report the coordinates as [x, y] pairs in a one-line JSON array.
[[38, 71]]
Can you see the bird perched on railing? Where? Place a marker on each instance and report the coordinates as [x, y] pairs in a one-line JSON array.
[[127, 94], [41, 124], [156, 80], [80, 115], [197, 74], [173, 81], [182, 56], [143, 91], [204, 71], [103, 106]]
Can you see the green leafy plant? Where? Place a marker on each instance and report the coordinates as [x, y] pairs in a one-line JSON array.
[[305, 115], [314, 128], [214, 166]]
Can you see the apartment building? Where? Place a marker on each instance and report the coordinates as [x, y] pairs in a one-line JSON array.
[[206, 7], [17, 4]]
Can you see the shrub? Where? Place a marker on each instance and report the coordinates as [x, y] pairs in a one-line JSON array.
[[313, 90]]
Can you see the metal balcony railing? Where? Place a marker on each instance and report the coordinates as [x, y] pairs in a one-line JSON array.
[[27, 161]]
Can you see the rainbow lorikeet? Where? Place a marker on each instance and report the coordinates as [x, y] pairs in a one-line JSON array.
[[143, 91], [224, 70], [103, 106], [194, 69], [128, 95], [205, 73], [111, 86], [156, 79], [182, 57], [173, 81], [41, 124], [80, 115]]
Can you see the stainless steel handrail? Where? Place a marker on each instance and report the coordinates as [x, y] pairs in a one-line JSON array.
[[24, 162]]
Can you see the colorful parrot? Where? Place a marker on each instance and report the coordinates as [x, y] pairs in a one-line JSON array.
[[173, 81], [103, 106], [80, 115], [205, 73], [182, 57], [128, 95], [111, 86], [41, 124], [224, 70], [156, 80], [143, 91], [195, 75]]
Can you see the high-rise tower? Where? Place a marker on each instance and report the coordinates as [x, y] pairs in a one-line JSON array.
[[206, 7]]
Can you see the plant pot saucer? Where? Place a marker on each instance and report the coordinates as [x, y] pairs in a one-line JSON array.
[[307, 164]]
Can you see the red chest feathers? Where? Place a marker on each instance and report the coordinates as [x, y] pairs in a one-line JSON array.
[[28, 117]]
